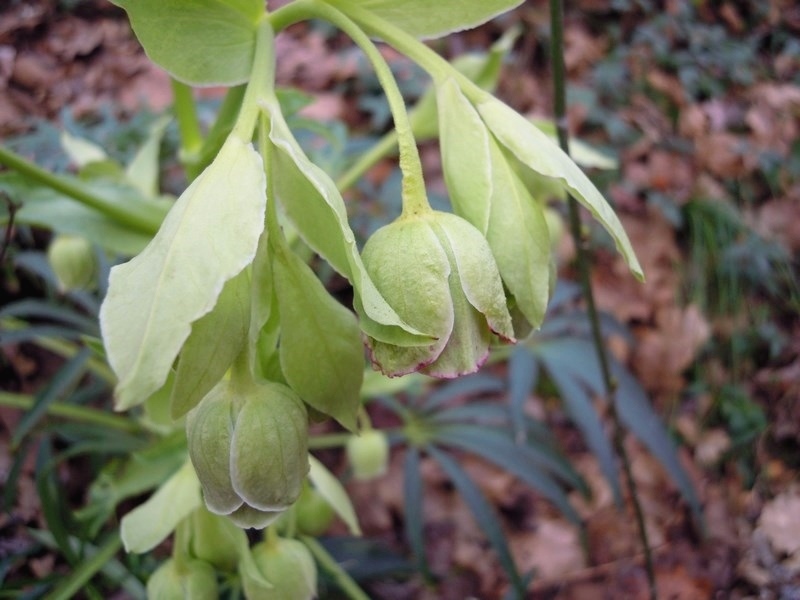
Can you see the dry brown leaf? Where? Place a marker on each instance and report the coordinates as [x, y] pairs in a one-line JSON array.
[[780, 522]]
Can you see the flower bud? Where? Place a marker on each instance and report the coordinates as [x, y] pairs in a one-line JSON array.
[[192, 580], [368, 454], [313, 513], [215, 540], [288, 566], [73, 261], [249, 446], [438, 273]]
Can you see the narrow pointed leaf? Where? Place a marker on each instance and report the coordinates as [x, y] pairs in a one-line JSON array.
[[523, 372], [638, 415], [209, 236], [216, 340], [530, 464], [143, 170], [412, 502], [580, 408], [484, 514], [321, 353], [538, 152], [200, 42]]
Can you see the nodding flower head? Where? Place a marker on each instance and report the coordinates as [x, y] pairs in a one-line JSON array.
[[438, 273]]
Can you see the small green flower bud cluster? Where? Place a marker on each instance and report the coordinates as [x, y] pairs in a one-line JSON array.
[[368, 454]]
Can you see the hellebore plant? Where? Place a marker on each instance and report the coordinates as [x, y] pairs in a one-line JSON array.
[[219, 321]]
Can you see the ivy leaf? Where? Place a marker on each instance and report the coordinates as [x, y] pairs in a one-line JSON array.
[[425, 19], [317, 210], [539, 153], [321, 353], [216, 340], [199, 42], [208, 237]]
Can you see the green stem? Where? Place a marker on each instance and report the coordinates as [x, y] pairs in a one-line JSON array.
[[383, 148], [415, 200], [582, 258], [87, 569], [340, 576], [73, 412], [261, 79], [223, 124], [330, 440], [145, 219], [188, 123]]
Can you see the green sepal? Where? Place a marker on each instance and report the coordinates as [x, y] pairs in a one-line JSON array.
[[216, 340], [321, 353]]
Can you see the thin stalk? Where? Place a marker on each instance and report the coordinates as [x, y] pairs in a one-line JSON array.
[[186, 114], [582, 258], [145, 220], [382, 148], [415, 200], [73, 412], [87, 569], [340, 576], [262, 79]]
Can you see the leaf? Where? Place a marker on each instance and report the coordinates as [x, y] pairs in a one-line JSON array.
[[483, 513], [538, 152], [150, 523], [199, 42], [466, 158], [412, 502], [519, 239], [216, 340], [81, 151], [334, 494], [425, 19], [209, 236], [321, 353], [638, 415], [524, 462], [561, 364], [142, 172], [44, 207], [523, 373], [317, 210]]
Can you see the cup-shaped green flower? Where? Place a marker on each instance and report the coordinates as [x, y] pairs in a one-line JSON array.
[[437, 271], [248, 443], [184, 580], [287, 565]]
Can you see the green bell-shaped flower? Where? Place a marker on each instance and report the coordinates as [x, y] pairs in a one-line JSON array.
[[187, 580], [287, 565], [437, 271], [248, 442]]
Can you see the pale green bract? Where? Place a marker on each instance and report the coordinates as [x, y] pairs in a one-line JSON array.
[[316, 208], [321, 353], [207, 355], [425, 19], [208, 237], [200, 42], [331, 489], [150, 523], [538, 152]]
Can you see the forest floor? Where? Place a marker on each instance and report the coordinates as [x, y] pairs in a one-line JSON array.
[[700, 104]]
